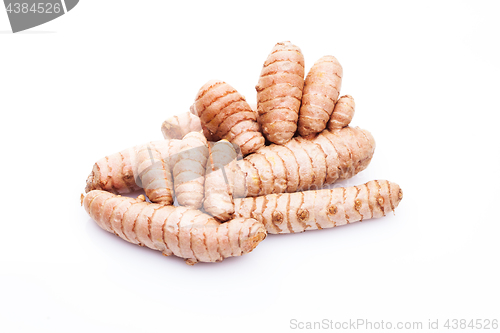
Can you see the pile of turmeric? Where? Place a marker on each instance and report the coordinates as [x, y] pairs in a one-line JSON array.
[[228, 174]]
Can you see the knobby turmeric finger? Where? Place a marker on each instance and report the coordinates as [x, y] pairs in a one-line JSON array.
[[225, 114], [279, 92], [188, 168], [219, 181], [342, 113], [304, 164], [183, 232], [117, 172], [321, 90], [320, 209], [153, 171], [178, 126]]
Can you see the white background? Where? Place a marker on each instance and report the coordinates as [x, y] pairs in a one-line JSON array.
[[102, 78]]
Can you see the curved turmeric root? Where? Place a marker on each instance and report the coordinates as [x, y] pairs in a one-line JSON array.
[[183, 232], [279, 92], [311, 210], [219, 181], [225, 114], [342, 113], [153, 170], [321, 90], [117, 172], [305, 164], [156, 167], [188, 168], [177, 127]]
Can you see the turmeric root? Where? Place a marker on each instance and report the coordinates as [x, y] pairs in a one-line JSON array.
[[183, 232], [154, 173], [188, 168], [321, 90], [279, 92], [115, 173], [177, 127], [225, 114], [342, 113], [151, 167], [304, 164], [219, 181], [310, 210]]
